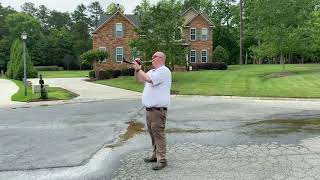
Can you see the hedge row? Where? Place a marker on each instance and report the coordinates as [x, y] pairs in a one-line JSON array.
[[49, 68], [107, 74], [209, 66]]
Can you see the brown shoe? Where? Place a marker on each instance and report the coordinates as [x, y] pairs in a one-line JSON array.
[[149, 160], [159, 165]]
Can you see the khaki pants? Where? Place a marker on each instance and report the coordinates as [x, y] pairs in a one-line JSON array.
[[156, 122]]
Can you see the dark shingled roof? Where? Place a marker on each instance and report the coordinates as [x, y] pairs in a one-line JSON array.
[[133, 18]]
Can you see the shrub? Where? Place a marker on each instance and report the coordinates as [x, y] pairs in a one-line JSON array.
[[131, 71], [116, 73], [44, 93], [197, 66], [219, 66], [127, 72], [124, 72], [92, 74], [103, 75], [47, 68], [220, 54], [206, 66], [194, 67]]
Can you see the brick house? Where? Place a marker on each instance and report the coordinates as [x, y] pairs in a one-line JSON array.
[[115, 31], [197, 36]]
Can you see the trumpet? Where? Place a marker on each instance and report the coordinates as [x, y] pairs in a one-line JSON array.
[[138, 61]]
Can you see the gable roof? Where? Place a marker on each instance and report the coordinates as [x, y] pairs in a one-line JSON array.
[[104, 18], [197, 14]]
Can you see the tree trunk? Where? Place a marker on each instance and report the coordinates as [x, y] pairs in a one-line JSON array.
[[241, 31], [282, 62], [246, 56]]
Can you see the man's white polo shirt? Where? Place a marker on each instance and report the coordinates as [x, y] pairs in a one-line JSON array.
[[157, 93]]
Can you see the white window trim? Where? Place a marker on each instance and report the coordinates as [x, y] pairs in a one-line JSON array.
[[119, 54], [204, 34], [119, 31], [195, 35], [204, 50], [103, 49], [195, 56]]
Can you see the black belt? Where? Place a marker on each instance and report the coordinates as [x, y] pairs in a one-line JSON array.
[[156, 108]]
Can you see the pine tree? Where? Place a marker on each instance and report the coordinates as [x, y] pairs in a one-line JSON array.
[[16, 63]]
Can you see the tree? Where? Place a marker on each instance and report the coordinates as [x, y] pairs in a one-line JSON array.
[[80, 30], [95, 10], [142, 8], [159, 29], [29, 8], [220, 54], [59, 20], [4, 32], [278, 33], [60, 44], [43, 15], [16, 63], [204, 6], [113, 8], [225, 15], [20, 22], [94, 55]]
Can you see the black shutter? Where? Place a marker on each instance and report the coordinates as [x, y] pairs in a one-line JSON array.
[[123, 31]]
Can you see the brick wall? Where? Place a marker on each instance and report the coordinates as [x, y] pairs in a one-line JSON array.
[[105, 37]]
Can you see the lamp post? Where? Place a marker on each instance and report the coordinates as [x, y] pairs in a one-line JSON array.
[[24, 36]]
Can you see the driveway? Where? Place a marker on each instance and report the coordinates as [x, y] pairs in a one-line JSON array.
[[7, 89], [88, 91]]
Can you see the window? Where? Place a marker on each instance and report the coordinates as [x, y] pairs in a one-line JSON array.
[[119, 54], [192, 56], [119, 32], [204, 56], [192, 34], [204, 34]]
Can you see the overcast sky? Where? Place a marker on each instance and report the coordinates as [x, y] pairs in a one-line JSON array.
[[70, 5]]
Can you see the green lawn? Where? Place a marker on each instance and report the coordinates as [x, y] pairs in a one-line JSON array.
[[54, 93], [63, 74], [298, 80]]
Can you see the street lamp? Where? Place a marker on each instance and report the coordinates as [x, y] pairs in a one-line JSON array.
[[24, 37]]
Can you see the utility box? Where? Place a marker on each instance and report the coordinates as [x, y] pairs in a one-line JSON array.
[[36, 88]]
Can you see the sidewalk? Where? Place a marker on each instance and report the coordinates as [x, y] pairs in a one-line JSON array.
[[7, 89]]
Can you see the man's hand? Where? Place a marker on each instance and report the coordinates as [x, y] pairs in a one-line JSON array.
[[136, 65]]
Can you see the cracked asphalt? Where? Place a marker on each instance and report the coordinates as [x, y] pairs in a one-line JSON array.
[[249, 161], [208, 138]]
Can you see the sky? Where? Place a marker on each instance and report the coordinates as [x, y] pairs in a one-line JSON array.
[[70, 5]]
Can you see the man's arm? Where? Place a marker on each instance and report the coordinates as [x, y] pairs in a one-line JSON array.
[[141, 76], [138, 78]]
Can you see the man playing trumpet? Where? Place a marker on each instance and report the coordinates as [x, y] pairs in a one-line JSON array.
[[156, 99]]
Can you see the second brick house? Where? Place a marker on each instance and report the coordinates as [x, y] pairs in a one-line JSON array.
[[114, 33]]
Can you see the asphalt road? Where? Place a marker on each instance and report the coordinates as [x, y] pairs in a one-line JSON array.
[[67, 141]]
